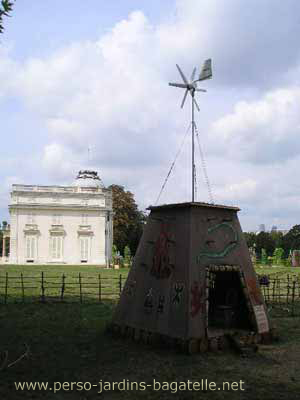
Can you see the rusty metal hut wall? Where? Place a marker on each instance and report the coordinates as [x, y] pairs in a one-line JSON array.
[[166, 289]]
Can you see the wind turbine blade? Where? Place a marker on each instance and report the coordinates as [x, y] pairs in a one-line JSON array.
[[193, 75], [184, 97], [201, 90], [196, 104], [182, 75], [181, 85]]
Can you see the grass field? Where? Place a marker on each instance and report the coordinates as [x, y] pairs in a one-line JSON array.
[[87, 283], [68, 343], [30, 269], [35, 270], [276, 269]]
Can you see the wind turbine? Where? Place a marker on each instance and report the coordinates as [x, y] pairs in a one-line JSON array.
[[191, 86]]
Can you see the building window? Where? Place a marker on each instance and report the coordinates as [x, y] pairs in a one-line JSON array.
[[56, 219], [84, 219], [30, 247], [84, 248], [56, 248], [30, 218]]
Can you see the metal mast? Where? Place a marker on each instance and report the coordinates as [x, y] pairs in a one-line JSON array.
[[193, 148], [191, 86]]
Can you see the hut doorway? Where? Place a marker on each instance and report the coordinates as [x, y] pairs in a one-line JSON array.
[[227, 304]]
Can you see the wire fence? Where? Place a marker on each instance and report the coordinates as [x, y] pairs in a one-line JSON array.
[[60, 288], [279, 291]]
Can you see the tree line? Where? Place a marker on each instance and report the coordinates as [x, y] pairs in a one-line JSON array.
[[274, 243]]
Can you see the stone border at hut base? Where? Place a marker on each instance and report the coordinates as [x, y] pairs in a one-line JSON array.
[[242, 344]]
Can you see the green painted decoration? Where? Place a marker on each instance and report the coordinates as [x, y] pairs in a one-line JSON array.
[[230, 246]]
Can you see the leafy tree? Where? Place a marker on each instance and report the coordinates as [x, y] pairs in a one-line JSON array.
[[265, 241], [250, 238], [291, 241], [277, 238], [264, 257], [128, 220], [5, 8], [7, 241]]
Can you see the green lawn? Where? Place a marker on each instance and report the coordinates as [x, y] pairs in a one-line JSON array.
[[276, 269], [67, 344], [70, 283], [30, 269]]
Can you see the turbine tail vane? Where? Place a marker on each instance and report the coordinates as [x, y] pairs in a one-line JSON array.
[[206, 71]]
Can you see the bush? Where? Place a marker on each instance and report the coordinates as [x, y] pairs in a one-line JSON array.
[[264, 258], [127, 256], [278, 256], [114, 254]]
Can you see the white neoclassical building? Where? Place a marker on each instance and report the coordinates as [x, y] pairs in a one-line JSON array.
[[61, 224]]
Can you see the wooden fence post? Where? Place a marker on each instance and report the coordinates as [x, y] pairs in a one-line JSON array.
[[264, 293], [268, 289], [293, 296], [288, 289], [80, 288], [43, 288], [62, 288], [6, 287], [22, 285], [99, 279], [120, 284], [273, 292]]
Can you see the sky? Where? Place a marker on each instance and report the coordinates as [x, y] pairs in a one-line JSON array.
[[77, 75]]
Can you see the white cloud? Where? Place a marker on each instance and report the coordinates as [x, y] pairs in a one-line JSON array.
[[60, 162], [262, 131], [111, 94]]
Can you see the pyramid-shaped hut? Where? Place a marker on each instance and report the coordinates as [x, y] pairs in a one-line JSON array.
[[192, 280]]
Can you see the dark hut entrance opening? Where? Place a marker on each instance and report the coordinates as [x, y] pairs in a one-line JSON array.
[[227, 305]]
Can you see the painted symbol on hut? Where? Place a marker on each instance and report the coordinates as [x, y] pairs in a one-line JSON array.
[[227, 248], [177, 293], [161, 304], [129, 288], [161, 267], [197, 301], [148, 304], [254, 292]]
